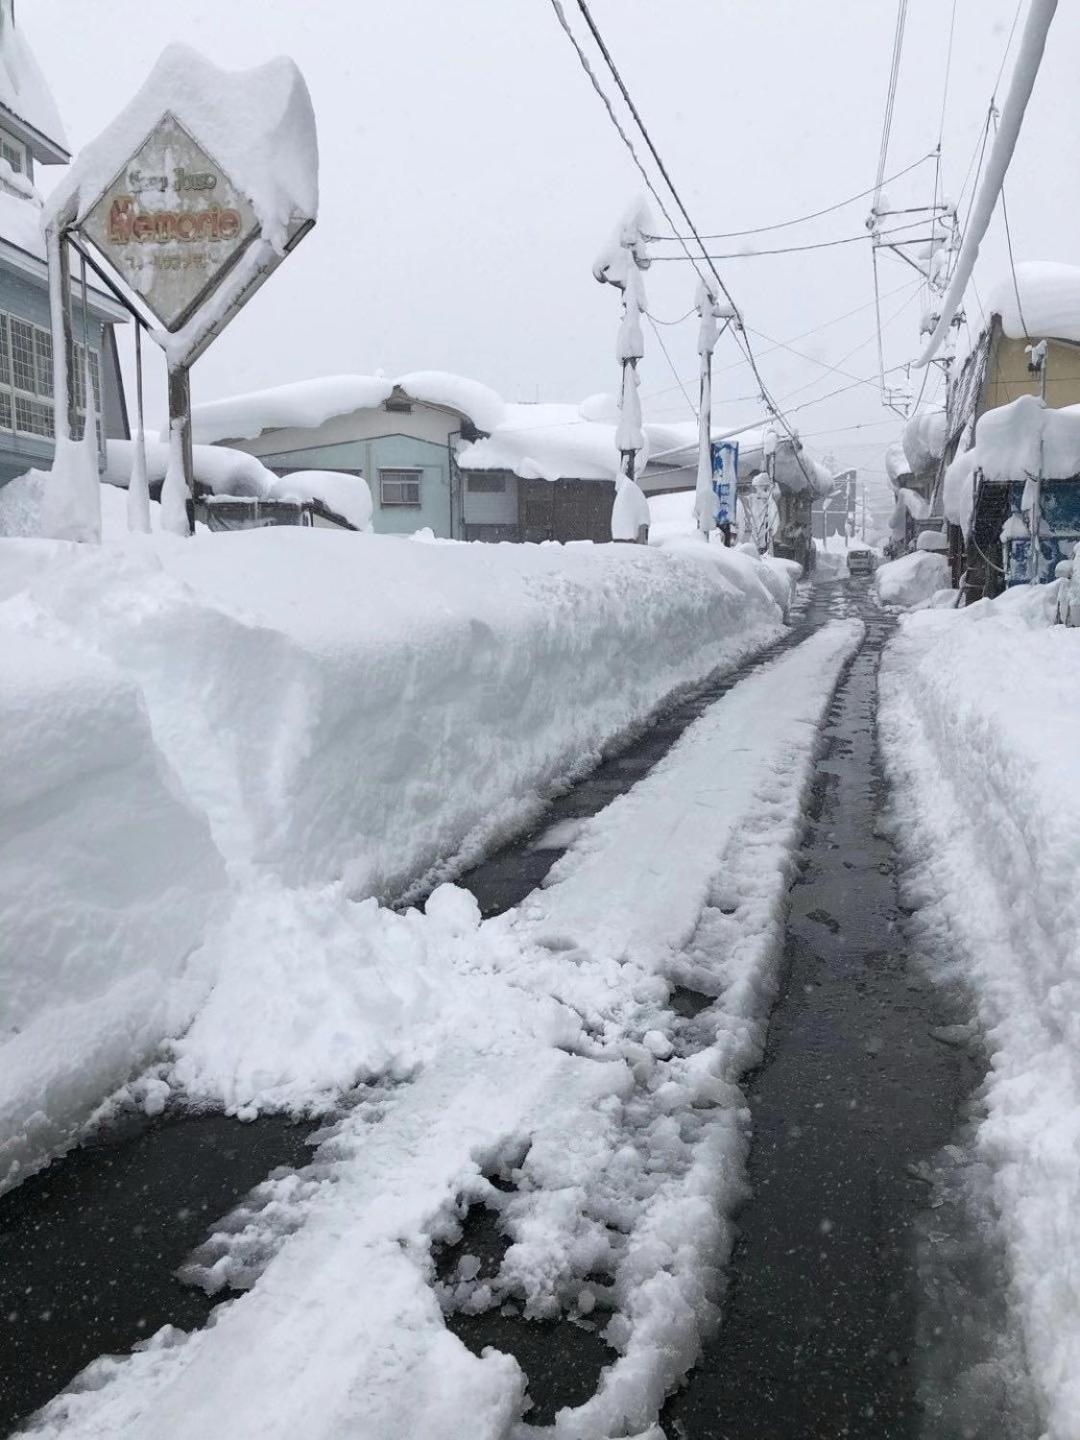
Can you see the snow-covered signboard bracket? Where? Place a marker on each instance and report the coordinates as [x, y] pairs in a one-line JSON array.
[[184, 206]]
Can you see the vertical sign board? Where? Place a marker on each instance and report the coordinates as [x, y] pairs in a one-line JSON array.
[[171, 224], [725, 469]]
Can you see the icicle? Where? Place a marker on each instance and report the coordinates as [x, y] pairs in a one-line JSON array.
[[174, 491], [72, 508], [138, 496]]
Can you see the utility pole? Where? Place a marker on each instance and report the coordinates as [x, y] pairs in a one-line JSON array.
[[622, 265], [707, 336]]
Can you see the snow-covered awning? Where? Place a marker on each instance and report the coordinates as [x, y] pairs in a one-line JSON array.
[[1014, 443]]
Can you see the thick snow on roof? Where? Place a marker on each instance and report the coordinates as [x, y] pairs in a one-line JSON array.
[[925, 437], [303, 405], [23, 88], [1049, 299], [344, 495], [307, 404], [959, 496], [478, 402], [257, 124], [546, 442], [225, 472]]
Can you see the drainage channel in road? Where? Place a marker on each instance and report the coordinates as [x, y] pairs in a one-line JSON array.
[[838, 1294], [89, 1248]]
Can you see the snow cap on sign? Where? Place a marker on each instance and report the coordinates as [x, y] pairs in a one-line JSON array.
[[258, 125], [23, 89]]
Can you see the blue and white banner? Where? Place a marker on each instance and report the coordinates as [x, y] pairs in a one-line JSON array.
[[725, 469]]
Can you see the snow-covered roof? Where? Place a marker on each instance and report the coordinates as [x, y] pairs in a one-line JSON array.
[[258, 125], [925, 438], [307, 404], [24, 94], [303, 405], [224, 471], [477, 402], [1049, 301], [546, 442], [234, 472]]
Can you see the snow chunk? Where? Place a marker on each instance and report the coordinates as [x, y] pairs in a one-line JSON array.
[[257, 124], [912, 580], [925, 437]]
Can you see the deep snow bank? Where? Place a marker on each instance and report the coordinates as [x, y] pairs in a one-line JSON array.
[[107, 880], [294, 707], [978, 724], [361, 707]]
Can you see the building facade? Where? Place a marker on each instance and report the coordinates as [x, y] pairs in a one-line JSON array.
[[31, 134]]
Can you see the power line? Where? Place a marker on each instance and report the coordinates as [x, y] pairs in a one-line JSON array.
[[890, 98], [796, 249], [741, 339], [802, 219], [671, 363]]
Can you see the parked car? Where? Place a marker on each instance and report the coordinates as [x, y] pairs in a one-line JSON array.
[[861, 562]]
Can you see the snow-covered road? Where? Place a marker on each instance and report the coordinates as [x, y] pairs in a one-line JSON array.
[[542, 1051]]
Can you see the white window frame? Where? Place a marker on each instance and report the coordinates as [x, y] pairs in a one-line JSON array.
[[396, 476], [14, 152], [29, 409]]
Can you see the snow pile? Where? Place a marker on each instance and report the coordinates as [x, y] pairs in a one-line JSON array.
[[23, 88], [959, 491], [547, 1055], [257, 124], [673, 527], [897, 465], [341, 494], [108, 878], [328, 707], [978, 716], [912, 580], [1049, 301]]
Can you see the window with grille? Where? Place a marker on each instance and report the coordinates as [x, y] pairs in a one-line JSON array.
[[400, 487], [494, 484], [26, 380]]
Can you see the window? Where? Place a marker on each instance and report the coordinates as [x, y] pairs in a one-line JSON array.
[[400, 487], [13, 152], [493, 484], [26, 379]]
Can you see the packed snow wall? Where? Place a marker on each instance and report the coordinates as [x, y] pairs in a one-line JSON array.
[[194, 718]]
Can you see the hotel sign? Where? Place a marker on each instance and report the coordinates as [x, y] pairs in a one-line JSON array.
[[172, 224]]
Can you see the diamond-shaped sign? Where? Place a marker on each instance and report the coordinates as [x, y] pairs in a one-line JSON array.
[[172, 223]]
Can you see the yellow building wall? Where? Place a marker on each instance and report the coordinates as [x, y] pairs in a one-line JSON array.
[[1007, 375]]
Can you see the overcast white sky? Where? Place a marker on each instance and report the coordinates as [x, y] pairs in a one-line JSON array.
[[469, 174]]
